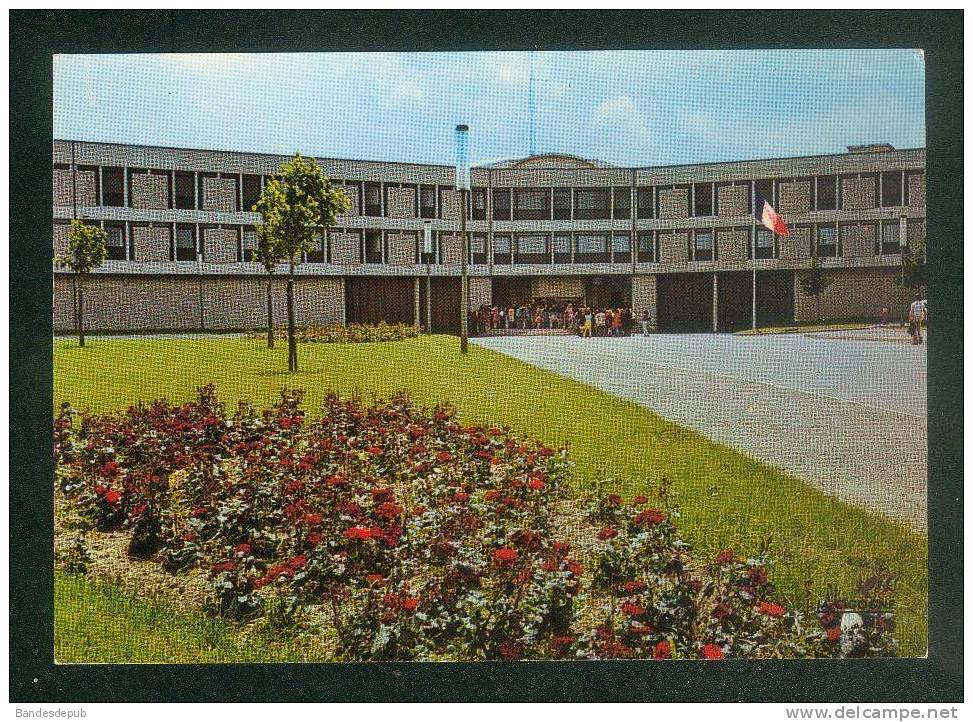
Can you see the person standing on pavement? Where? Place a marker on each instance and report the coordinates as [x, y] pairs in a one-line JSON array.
[[645, 321], [917, 313]]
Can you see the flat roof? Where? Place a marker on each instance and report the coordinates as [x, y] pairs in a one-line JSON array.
[[493, 165]]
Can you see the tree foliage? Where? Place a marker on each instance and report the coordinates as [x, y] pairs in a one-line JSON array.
[[913, 273], [87, 248], [294, 208], [814, 283]]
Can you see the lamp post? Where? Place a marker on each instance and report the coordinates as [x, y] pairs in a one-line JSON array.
[[753, 253], [199, 276], [427, 256], [463, 186]]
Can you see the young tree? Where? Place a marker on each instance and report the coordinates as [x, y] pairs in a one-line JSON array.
[[814, 283], [87, 250], [913, 273], [267, 253], [293, 209]]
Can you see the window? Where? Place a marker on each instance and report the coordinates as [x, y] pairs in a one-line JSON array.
[[184, 191], [891, 238], [116, 241], [827, 193], [317, 255], [621, 243], [623, 203], [703, 246], [765, 243], [646, 247], [251, 192], [185, 242], [373, 199], [113, 190], [501, 204], [765, 189], [373, 246], [478, 246], [532, 245], [703, 199], [531, 204], [249, 243], [562, 204], [478, 203], [827, 241], [501, 248], [592, 248], [643, 200], [427, 201], [562, 248], [591, 203], [892, 189]]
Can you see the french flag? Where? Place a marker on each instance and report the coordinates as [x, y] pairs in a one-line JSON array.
[[765, 214]]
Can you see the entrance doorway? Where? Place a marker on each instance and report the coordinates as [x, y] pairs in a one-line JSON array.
[[608, 291]]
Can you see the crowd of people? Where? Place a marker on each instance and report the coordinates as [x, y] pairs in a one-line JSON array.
[[583, 320]]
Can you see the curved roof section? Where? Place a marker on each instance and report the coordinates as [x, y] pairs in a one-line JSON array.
[[549, 160]]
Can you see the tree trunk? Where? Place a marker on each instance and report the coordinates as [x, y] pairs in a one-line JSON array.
[[81, 315], [74, 302], [270, 313], [291, 339]]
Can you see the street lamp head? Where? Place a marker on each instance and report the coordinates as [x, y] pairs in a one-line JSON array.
[[462, 157]]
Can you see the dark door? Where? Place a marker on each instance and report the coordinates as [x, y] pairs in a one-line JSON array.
[[370, 299], [445, 304], [685, 302]]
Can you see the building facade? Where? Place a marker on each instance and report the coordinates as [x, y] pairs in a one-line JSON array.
[[676, 240]]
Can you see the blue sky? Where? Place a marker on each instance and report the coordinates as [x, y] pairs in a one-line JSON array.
[[624, 107]]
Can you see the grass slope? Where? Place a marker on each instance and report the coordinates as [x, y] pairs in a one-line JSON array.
[[727, 498], [100, 623]]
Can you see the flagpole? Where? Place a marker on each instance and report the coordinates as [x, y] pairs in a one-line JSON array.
[[753, 252]]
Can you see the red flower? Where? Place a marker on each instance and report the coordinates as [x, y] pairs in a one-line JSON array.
[[242, 549], [443, 456], [712, 651], [297, 562], [758, 575], [607, 533], [375, 450], [634, 587], [510, 651], [650, 517], [562, 644], [358, 532], [492, 495], [388, 510], [461, 496], [223, 567], [336, 480], [662, 650], [535, 484], [113, 497], [640, 500], [834, 634], [374, 579], [312, 519], [109, 469], [314, 538], [505, 555], [641, 629], [771, 609], [725, 557], [632, 609], [382, 494], [410, 604], [614, 499]]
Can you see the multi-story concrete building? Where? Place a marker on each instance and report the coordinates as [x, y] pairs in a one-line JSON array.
[[675, 240]]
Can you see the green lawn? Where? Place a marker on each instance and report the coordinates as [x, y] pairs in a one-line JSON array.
[[100, 623], [727, 498]]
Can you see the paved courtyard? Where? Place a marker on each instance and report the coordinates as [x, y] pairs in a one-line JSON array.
[[846, 413]]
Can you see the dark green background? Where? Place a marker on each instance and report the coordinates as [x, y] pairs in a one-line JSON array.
[[35, 36]]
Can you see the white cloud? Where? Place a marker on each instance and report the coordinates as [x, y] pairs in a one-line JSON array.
[[619, 115], [407, 89]]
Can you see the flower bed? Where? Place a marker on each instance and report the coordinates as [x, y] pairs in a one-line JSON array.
[[352, 333], [414, 536]]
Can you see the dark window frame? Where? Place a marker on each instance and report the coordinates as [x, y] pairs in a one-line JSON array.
[[561, 212], [595, 213], [502, 204], [532, 214], [625, 194]]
